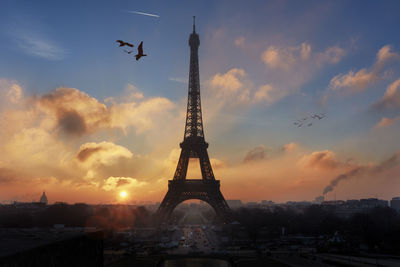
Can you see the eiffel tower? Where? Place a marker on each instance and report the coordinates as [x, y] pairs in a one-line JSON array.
[[194, 146]]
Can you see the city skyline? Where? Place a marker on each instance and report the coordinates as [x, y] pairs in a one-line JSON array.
[[84, 121]]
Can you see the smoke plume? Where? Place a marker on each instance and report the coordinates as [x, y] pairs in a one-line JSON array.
[[364, 170]]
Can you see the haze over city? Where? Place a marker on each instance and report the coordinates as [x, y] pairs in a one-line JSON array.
[[84, 121]]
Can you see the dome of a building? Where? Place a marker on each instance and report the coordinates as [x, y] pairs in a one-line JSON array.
[[43, 198]]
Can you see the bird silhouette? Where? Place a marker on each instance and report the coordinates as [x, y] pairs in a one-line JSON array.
[[122, 43], [310, 124], [140, 51], [128, 52]]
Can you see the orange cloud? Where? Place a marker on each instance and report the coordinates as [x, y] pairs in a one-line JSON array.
[[268, 94], [325, 160], [76, 113], [385, 122], [292, 66], [290, 147], [356, 82], [35, 154], [10, 92], [102, 153], [391, 98], [286, 58], [353, 82], [255, 154], [126, 183]]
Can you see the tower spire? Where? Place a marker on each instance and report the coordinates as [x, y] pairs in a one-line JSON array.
[[194, 23]]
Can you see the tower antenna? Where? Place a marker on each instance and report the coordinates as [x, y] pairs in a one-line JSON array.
[[194, 23]]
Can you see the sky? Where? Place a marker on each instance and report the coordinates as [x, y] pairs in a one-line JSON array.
[[83, 121]]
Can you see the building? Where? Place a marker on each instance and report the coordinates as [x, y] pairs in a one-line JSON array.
[[395, 204], [369, 203], [43, 198], [234, 203], [319, 200], [346, 209], [267, 203]]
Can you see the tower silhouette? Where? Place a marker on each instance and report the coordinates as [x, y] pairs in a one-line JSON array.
[[194, 146]]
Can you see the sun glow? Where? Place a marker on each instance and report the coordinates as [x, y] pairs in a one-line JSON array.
[[123, 194]]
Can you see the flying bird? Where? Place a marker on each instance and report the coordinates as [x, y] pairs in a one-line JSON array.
[[122, 43], [319, 117], [310, 124], [128, 52], [140, 51]]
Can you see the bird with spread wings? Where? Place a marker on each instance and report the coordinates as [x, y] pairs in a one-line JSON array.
[[140, 51], [122, 43]]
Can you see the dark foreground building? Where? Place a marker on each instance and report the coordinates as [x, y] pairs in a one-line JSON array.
[[50, 247]]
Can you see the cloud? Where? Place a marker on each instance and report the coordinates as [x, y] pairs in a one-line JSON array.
[[35, 144], [290, 147], [76, 113], [231, 87], [268, 94], [289, 57], [105, 153], [354, 82], [391, 98], [10, 91], [290, 67], [385, 55], [230, 81], [41, 149], [234, 87], [331, 55], [240, 41], [72, 123], [143, 115], [385, 122], [256, 154], [40, 47], [112, 183], [86, 152], [325, 160], [278, 59], [132, 93]]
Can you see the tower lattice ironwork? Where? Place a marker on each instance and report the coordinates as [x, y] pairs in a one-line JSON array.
[[194, 146]]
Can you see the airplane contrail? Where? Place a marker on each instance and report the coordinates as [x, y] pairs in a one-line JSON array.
[[142, 13]]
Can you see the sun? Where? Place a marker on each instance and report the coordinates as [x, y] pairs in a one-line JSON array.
[[123, 194]]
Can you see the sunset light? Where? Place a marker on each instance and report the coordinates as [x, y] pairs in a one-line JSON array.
[[251, 133], [123, 194]]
